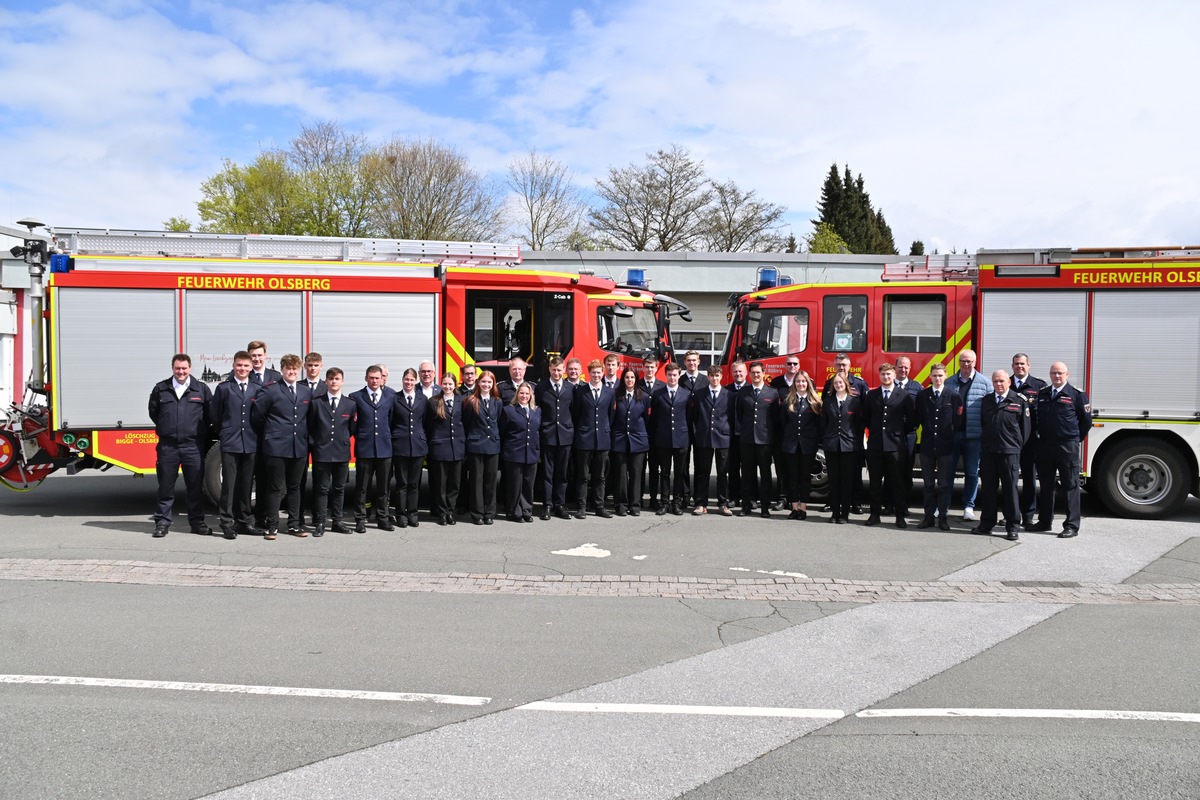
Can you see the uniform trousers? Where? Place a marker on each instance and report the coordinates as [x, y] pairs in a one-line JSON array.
[[998, 476], [443, 486], [284, 473], [482, 469], [734, 467], [756, 475], [556, 461], [372, 476], [171, 459], [408, 485], [702, 476], [237, 479], [590, 468], [627, 493], [518, 489], [843, 473], [672, 461], [937, 473], [1061, 460], [884, 467], [797, 476], [329, 486]]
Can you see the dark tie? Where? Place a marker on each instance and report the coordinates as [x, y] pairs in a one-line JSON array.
[[596, 394], [526, 413], [937, 397], [408, 399], [292, 389], [333, 404], [756, 391], [242, 386], [374, 398], [886, 395], [714, 396], [449, 406], [672, 395]]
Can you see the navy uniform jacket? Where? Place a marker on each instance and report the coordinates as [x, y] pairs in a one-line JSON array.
[[558, 428], [373, 430], [269, 376], [231, 416], [889, 422], [408, 427], [801, 426], [1029, 390], [482, 425], [508, 389], [690, 383], [629, 432], [857, 387], [780, 384], [593, 418], [181, 420], [669, 418], [447, 437], [758, 417], [711, 419], [939, 420], [1006, 425], [520, 442], [330, 431], [843, 431], [734, 392], [317, 390], [283, 420], [648, 386], [1065, 419]]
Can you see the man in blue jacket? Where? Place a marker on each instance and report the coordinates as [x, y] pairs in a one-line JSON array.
[[971, 386], [232, 404], [373, 450], [179, 407], [281, 412]]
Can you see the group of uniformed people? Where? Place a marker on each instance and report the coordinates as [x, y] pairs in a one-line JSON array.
[[574, 439]]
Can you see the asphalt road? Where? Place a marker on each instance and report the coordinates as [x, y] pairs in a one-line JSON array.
[[527, 692]]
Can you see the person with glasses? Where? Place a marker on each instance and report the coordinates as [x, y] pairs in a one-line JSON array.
[[1064, 419], [428, 373]]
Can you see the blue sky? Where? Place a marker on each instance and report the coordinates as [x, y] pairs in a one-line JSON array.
[[975, 125]]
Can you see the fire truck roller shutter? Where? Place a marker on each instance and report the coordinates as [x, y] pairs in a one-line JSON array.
[[1048, 326], [218, 324], [354, 330], [110, 346]]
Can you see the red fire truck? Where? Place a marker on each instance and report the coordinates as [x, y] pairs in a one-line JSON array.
[[102, 325], [1099, 311]]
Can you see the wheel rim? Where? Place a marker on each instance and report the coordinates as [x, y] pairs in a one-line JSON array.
[[1145, 480]]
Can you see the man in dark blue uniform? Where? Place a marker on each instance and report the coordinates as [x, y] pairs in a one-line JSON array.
[[758, 426], [179, 407], [331, 420], [734, 463], [669, 438], [312, 379], [1028, 387], [593, 412], [905, 383], [261, 375], [232, 404], [1064, 418], [281, 412], [888, 413], [939, 414], [1006, 423], [554, 397], [373, 450]]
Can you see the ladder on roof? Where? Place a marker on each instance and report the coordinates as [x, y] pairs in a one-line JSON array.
[[103, 241], [948, 267]]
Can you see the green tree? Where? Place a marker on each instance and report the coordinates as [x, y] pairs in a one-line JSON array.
[[825, 240], [178, 225], [259, 198], [334, 189], [845, 205], [917, 249]]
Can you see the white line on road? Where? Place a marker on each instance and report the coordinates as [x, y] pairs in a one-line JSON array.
[[230, 688], [654, 708], [1033, 713]]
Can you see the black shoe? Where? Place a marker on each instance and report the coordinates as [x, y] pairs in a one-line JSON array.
[[765, 513], [487, 520], [621, 512], [901, 523], [662, 511], [604, 513], [413, 522], [451, 519], [1069, 533], [477, 520], [527, 518], [319, 530], [338, 527], [676, 509], [360, 526], [160, 531], [873, 520], [385, 524], [580, 514], [839, 520], [635, 512], [943, 524], [401, 522], [795, 514], [443, 520], [561, 513], [1027, 522], [856, 509], [1040, 527], [271, 533], [545, 515], [978, 530], [247, 529], [1011, 535], [202, 529], [925, 523], [228, 532]]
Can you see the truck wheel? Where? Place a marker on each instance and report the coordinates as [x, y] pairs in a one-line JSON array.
[[212, 474], [1142, 479], [819, 488]]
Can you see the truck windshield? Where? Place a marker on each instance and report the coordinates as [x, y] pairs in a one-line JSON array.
[[768, 332], [630, 335]]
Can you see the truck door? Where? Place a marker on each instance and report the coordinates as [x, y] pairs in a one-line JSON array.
[[506, 325], [770, 333]]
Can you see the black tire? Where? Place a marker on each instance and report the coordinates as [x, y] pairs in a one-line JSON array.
[[212, 474], [819, 488], [1142, 478]]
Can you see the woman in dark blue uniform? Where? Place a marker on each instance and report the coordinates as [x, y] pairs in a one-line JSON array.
[[481, 419], [630, 443], [842, 441], [447, 449], [520, 449], [409, 447], [802, 424]]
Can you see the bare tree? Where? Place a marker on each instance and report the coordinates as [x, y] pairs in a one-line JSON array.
[[655, 206], [424, 190], [738, 221], [549, 206], [334, 188]]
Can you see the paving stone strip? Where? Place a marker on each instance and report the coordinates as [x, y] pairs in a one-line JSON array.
[[775, 588]]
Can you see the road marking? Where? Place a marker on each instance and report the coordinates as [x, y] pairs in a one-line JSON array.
[[585, 550], [1033, 713], [230, 688], [656, 708]]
